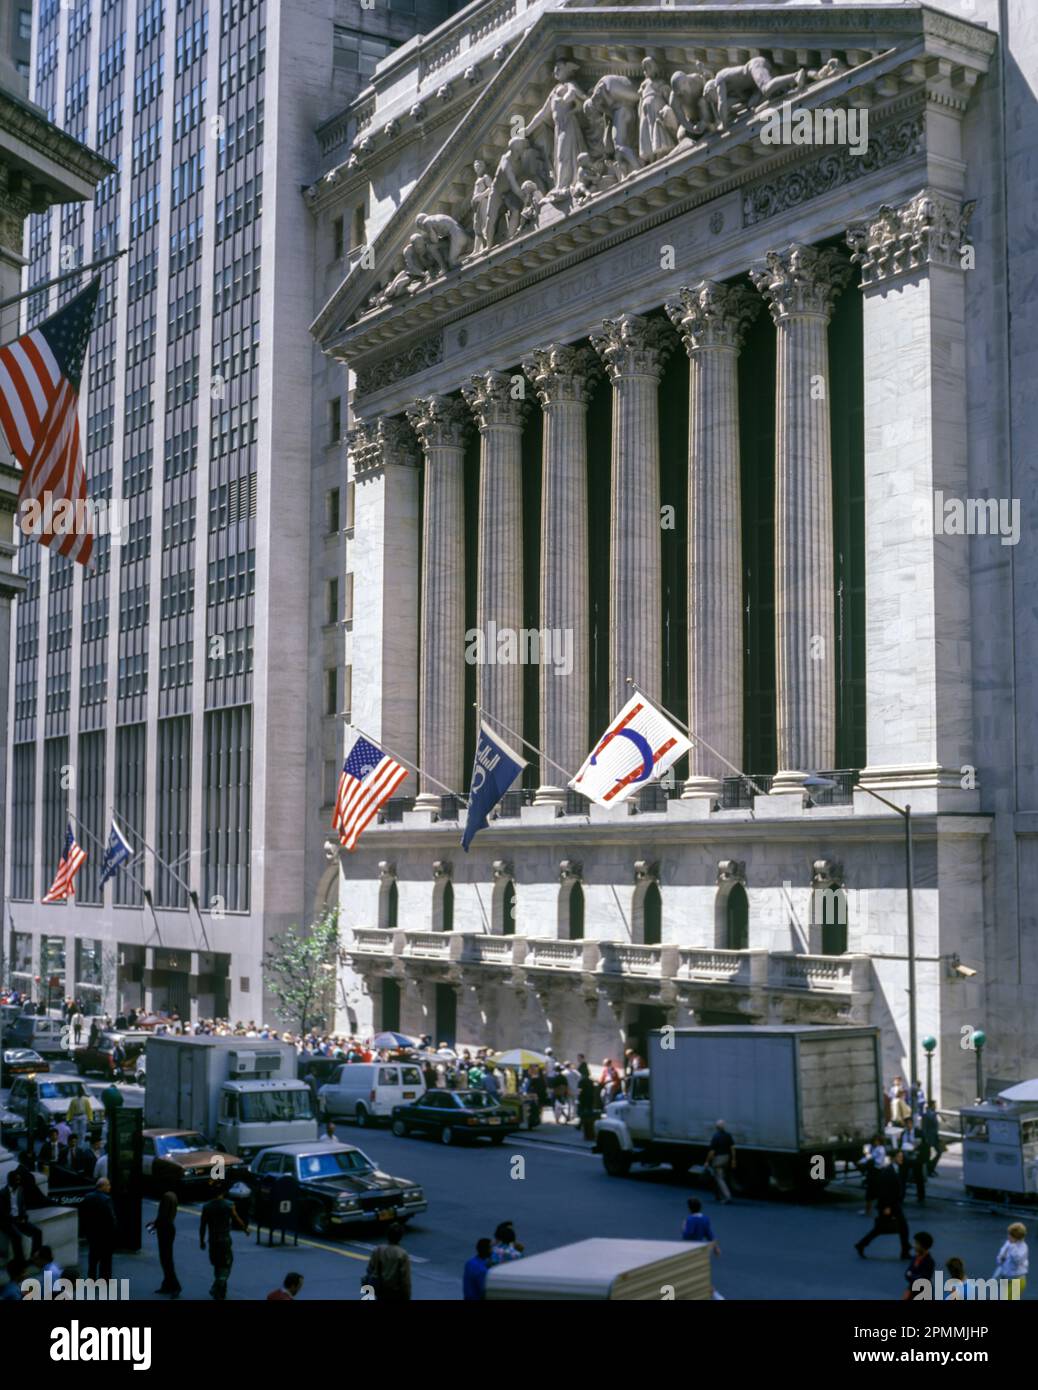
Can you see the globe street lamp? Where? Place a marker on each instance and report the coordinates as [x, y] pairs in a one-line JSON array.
[[905, 812], [929, 1046], [978, 1040]]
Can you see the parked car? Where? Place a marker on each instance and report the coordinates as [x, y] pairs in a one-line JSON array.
[[49, 1099], [455, 1115], [20, 1061], [98, 1059], [48, 1036], [333, 1185], [182, 1161], [368, 1091]]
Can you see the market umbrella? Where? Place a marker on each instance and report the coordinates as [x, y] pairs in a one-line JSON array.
[[1023, 1090], [392, 1040], [521, 1057]]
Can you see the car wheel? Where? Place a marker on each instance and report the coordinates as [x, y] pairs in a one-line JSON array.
[[362, 1117], [317, 1221], [400, 1129], [446, 1135]]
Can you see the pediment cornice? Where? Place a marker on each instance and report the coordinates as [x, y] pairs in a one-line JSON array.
[[892, 62]]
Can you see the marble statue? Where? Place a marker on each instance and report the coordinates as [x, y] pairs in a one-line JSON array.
[[519, 164], [448, 239], [481, 191], [590, 179], [747, 86], [562, 112], [418, 268], [688, 102], [530, 213], [614, 101], [657, 126]]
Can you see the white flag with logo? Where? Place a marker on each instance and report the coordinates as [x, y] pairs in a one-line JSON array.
[[639, 746]]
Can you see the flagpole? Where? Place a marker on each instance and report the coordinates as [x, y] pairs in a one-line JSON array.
[[191, 894], [413, 766], [696, 738], [100, 845], [58, 279], [525, 741]]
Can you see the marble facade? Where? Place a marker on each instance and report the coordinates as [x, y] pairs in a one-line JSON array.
[[671, 237]]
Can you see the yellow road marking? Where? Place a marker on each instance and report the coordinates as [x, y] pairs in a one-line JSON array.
[[313, 1244]]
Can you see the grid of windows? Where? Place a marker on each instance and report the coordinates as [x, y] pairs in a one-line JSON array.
[[56, 782], [130, 753], [90, 809], [227, 807], [23, 820], [172, 809]]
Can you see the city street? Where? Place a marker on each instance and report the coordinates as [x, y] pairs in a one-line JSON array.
[[771, 1249]]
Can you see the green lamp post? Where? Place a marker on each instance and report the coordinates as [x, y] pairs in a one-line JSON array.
[[979, 1039], [929, 1047]]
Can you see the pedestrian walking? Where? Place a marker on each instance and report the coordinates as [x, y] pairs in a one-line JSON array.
[[78, 1022], [219, 1218], [164, 1228], [919, 1274], [1013, 1260], [720, 1160], [875, 1156], [506, 1247], [474, 1278], [930, 1128], [697, 1225], [97, 1222], [329, 1132], [389, 1269], [80, 1116], [890, 1218], [957, 1288], [289, 1290], [587, 1105]]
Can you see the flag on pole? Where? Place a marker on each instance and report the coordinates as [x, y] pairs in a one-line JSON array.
[[71, 862], [639, 746], [117, 853], [369, 777], [40, 374], [494, 769]]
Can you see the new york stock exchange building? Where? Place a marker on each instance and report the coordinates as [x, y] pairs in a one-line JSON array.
[[681, 350]]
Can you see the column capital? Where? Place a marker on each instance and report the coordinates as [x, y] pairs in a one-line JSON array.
[[801, 281], [439, 421], [562, 372], [386, 440], [633, 346], [489, 396], [930, 229], [709, 315]]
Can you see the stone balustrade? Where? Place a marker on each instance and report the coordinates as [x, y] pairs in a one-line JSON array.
[[831, 974]]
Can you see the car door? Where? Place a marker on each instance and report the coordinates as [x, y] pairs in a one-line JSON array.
[[338, 1096], [434, 1104]]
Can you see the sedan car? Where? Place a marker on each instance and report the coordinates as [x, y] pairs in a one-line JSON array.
[[48, 1099], [455, 1115], [331, 1186], [21, 1061], [183, 1161], [98, 1058]]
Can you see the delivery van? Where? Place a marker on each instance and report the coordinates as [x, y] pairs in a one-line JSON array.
[[367, 1091]]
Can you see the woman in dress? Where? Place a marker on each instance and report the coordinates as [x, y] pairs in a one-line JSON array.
[[563, 111], [657, 125]]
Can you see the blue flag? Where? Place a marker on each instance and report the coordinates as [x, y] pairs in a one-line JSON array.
[[494, 770], [117, 853]]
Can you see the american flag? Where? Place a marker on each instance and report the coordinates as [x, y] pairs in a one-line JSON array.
[[368, 778], [39, 410], [71, 863]]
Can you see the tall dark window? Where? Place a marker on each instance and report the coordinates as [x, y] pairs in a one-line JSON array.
[[508, 910], [23, 820], [228, 808], [130, 779], [390, 1006], [90, 807], [737, 919], [447, 907], [392, 906], [173, 809], [652, 916], [55, 803], [576, 912]]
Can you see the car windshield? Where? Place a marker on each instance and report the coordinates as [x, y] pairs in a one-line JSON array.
[[478, 1100], [411, 1076], [180, 1141], [60, 1090], [332, 1165], [266, 1106]]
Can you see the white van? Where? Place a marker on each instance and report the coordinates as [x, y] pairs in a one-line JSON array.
[[47, 1036], [367, 1091]]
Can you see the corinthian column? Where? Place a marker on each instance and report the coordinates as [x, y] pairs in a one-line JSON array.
[[712, 320], [440, 422], [562, 377], [800, 285], [633, 351], [499, 603]]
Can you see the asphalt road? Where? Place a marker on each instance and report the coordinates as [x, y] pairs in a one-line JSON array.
[[770, 1248]]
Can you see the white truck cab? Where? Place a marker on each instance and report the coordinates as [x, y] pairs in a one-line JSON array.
[[260, 1114]]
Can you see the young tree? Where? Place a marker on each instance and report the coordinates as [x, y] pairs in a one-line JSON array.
[[300, 971]]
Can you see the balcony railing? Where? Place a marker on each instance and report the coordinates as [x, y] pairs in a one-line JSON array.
[[392, 813], [548, 954], [489, 950], [372, 941], [826, 974], [634, 962], [840, 795], [432, 945]]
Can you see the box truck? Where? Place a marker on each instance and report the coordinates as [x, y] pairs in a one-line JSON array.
[[242, 1094], [620, 1270], [795, 1099]]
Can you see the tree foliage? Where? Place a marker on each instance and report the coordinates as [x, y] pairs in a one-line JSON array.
[[300, 971]]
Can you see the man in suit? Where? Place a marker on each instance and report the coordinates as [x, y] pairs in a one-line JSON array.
[[52, 1150], [890, 1217], [14, 1221], [97, 1222]]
